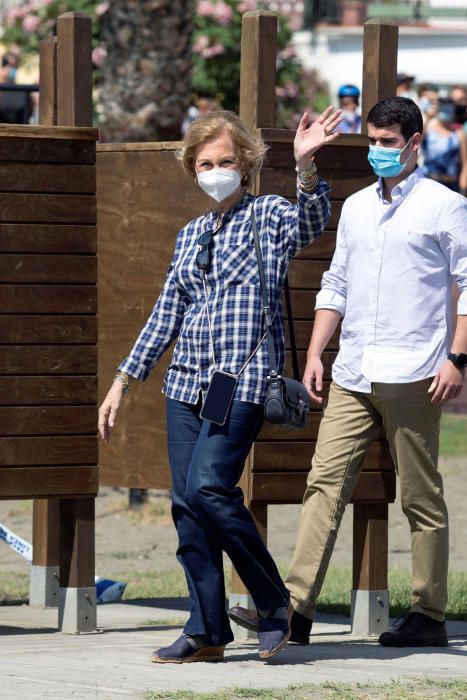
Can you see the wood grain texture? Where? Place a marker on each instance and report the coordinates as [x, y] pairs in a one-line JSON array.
[[42, 330], [47, 450], [343, 183], [53, 269], [49, 299], [48, 420], [43, 149], [296, 456], [48, 208], [140, 214], [74, 78], [44, 238], [40, 177], [31, 391], [77, 542], [45, 532], [258, 69], [48, 359], [380, 40], [289, 487], [47, 482], [370, 546], [48, 81]]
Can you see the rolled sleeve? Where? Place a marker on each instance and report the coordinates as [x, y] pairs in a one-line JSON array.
[[453, 242], [327, 299]]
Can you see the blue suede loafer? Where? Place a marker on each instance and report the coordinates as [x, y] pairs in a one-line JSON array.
[[273, 634], [182, 652]]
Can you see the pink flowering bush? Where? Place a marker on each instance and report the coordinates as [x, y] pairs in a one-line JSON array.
[[216, 57], [34, 20]]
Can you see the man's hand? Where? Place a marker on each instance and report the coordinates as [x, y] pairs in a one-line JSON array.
[[447, 384], [313, 379]]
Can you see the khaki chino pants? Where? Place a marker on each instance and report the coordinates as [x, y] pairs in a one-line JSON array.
[[351, 422]]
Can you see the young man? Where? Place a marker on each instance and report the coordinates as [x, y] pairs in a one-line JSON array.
[[399, 244]]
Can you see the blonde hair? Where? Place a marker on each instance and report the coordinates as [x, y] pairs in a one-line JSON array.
[[250, 150]]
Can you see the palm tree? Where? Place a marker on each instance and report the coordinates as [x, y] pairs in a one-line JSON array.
[[146, 77]]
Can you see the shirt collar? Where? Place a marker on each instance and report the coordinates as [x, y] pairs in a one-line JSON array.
[[403, 188], [244, 201]]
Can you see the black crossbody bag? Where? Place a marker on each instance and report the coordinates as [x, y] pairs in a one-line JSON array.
[[287, 402]]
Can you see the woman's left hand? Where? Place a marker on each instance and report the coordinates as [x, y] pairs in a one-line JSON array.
[[310, 137]]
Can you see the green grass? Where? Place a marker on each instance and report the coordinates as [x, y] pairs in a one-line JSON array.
[[422, 689], [453, 437], [334, 598]]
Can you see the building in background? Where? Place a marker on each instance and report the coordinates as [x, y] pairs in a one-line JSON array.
[[432, 39]]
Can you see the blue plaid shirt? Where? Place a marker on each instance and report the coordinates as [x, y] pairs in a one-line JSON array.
[[233, 296]]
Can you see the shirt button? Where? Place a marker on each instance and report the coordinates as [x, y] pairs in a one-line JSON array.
[[196, 367]]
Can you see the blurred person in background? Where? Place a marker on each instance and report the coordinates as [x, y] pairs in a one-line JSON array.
[[349, 96], [405, 86], [16, 106], [458, 95], [427, 101], [444, 148]]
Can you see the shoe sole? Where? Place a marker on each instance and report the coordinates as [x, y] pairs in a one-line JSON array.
[[242, 622], [266, 655], [438, 643], [209, 654]]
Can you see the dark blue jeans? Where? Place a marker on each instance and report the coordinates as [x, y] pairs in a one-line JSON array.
[[206, 462]]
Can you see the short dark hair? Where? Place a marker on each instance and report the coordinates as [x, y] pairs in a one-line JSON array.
[[397, 110]]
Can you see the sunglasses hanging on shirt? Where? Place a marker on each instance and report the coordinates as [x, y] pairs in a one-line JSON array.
[[203, 257]]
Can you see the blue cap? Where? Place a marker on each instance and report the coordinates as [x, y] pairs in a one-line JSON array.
[[349, 91]]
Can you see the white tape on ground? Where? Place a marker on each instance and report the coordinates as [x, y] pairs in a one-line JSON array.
[[15, 542]]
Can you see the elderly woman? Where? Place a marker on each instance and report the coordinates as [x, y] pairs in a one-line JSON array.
[[211, 300]]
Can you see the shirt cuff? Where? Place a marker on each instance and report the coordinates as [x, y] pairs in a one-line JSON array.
[[321, 189], [462, 304], [327, 299], [134, 370]]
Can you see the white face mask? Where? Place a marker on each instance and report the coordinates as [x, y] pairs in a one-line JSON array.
[[219, 183]]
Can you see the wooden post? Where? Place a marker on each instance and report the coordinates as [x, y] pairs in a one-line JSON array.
[[380, 39], [43, 583], [258, 69], [77, 595], [370, 600], [257, 110]]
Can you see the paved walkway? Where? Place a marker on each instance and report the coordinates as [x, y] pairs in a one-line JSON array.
[[38, 662]]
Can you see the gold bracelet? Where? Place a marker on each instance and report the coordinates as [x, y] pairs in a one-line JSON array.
[[308, 172], [124, 379]]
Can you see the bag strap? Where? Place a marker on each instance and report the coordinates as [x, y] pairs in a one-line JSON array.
[[267, 308]]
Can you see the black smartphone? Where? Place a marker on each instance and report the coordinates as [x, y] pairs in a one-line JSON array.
[[219, 396]]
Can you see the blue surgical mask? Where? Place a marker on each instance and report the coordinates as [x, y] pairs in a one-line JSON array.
[[386, 162], [12, 74]]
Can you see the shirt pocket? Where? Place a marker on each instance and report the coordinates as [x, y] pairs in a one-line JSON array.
[[239, 262], [422, 241]]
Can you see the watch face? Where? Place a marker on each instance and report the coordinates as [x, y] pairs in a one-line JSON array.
[[459, 359]]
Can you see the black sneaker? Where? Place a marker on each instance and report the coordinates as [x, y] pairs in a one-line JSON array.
[[300, 628], [416, 630]]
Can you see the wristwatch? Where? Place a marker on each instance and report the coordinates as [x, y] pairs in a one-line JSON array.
[[459, 359]]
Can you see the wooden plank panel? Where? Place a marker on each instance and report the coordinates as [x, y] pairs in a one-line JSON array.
[[284, 456], [43, 150], [42, 330], [48, 420], [48, 450], [31, 391], [52, 269], [48, 299], [48, 359], [342, 182], [48, 482], [46, 177], [290, 487], [322, 248], [44, 238], [327, 358], [307, 274], [48, 208], [303, 304], [303, 334], [336, 209], [270, 432], [332, 157]]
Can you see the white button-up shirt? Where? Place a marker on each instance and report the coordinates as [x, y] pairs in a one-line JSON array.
[[390, 278]]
